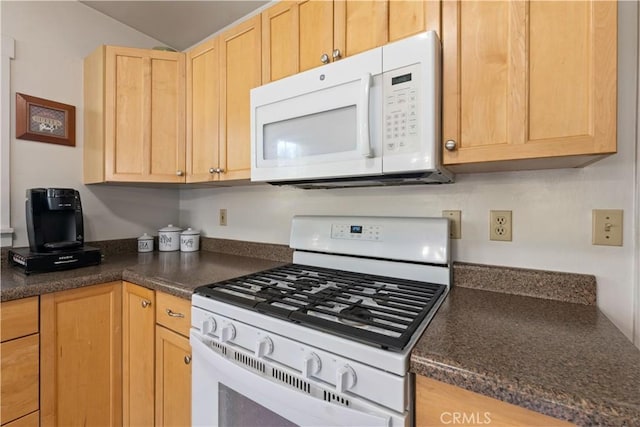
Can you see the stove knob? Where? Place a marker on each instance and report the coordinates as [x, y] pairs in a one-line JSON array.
[[264, 347], [345, 378], [227, 333], [311, 365], [209, 326]]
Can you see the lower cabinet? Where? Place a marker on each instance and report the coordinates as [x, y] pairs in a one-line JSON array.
[[440, 404], [81, 356], [156, 358], [19, 363]]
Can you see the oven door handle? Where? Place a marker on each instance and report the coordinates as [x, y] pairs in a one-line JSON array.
[[211, 370]]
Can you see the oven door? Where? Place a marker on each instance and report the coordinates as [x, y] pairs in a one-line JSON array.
[[322, 123], [227, 394]]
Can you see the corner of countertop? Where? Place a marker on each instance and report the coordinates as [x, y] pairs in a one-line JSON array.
[[553, 285]]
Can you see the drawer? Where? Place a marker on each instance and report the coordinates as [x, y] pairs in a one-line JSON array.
[[173, 313], [19, 373], [18, 318]]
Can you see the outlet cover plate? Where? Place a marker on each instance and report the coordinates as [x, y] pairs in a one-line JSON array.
[[455, 224], [500, 226], [223, 217], [607, 227]]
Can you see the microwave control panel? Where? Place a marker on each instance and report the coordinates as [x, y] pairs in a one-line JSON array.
[[356, 232], [401, 128]]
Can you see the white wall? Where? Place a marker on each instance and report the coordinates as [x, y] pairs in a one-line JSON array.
[[551, 209], [52, 38]]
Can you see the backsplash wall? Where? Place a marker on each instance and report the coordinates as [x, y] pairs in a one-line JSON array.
[[551, 208]]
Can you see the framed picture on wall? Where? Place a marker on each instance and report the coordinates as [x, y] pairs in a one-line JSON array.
[[39, 119]]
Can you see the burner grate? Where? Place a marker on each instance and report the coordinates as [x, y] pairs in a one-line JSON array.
[[377, 310]]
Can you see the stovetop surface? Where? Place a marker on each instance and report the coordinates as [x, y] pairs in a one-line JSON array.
[[376, 310]]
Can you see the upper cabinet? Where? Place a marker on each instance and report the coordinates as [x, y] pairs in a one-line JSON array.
[[239, 73], [203, 112], [134, 116], [528, 84], [409, 17]]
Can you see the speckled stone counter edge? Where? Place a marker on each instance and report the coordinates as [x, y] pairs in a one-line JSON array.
[[269, 251], [554, 285], [555, 404]]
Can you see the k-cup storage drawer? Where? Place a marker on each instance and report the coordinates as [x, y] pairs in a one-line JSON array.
[[173, 313]]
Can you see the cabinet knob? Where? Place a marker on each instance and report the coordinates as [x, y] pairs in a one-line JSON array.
[[145, 303], [212, 170], [219, 170], [187, 360], [450, 145], [324, 58], [336, 54], [179, 173]]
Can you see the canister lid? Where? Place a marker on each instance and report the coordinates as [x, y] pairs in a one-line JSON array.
[[145, 236], [170, 228], [190, 232]]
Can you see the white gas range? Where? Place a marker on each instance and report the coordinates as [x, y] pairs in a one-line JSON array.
[[325, 340]]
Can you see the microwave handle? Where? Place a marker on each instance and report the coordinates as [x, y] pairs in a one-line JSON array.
[[363, 120]]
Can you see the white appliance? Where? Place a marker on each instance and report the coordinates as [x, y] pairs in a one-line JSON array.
[[325, 341], [370, 119]]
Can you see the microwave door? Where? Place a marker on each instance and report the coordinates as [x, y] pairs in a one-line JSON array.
[[328, 129]]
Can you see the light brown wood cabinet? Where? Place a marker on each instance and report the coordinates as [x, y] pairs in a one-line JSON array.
[[296, 34], [138, 355], [19, 363], [134, 103], [440, 404], [81, 356], [528, 84], [156, 358], [220, 74]]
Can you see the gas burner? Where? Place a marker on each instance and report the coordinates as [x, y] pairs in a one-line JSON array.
[[307, 283], [268, 293], [355, 315]]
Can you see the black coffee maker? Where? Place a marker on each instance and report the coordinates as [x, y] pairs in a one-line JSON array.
[[55, 227], [54, 219]]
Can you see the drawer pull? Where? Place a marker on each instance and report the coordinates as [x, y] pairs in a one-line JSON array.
[[172, 313], [187, 360], [145, 303]]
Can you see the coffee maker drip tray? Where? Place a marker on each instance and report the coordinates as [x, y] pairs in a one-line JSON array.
[[42, 262], [59, 246]]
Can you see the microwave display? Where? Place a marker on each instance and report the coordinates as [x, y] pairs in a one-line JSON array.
[[401, 79]]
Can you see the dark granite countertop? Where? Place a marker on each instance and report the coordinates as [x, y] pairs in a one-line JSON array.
[[561, 359], [176, 273]]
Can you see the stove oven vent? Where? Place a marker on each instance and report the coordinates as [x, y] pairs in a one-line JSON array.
[[219, 348], [291, 380], [250, 362], [332, 397]]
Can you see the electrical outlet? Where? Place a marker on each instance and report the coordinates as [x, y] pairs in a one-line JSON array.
[[223, 217], [455, 224], [500, 226], [607, 227]]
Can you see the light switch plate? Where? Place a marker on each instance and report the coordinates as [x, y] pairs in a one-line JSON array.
[[455, 224], [607, 227]]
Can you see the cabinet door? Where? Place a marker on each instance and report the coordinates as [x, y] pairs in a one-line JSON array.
[[81, 356], [528, 80], [173, 379], [203, 86], [360, 25], [19, 377], [138, 355], [144, 109], [239, 72], [409, 17]]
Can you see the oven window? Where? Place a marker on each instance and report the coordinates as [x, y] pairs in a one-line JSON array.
[[234, 409]]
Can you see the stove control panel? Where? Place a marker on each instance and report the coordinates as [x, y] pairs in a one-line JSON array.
[[356, 232]]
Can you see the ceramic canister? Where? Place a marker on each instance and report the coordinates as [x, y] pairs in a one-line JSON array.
[[145, 243], [189, 240], [169, 238]]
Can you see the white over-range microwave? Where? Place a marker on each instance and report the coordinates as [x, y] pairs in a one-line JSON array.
[[370, 119]]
